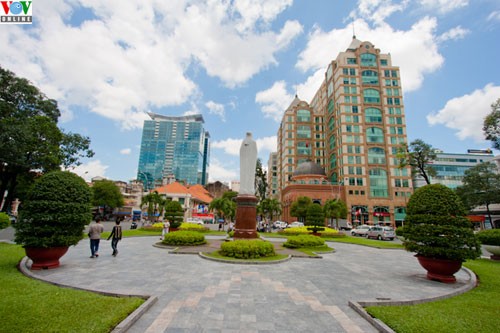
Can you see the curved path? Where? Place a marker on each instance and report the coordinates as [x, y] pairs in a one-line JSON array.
[[299, 295]]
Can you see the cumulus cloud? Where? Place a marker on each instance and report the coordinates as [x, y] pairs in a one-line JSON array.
[[453, 34], [494, 16], [123, 60], [89, 170], [415, 50], [274, 100], [232, 146], [217, 109], [465, 114], [125, 151], [222, 171], [267, 145], [377, 10], [443, 6]]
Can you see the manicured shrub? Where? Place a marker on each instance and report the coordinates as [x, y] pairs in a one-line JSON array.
[[184, 238], [55, 212], [295, 231], [247, 249], [489, 237], [294, 242], [193, 227], [437, 226], [4, 221], [326, 232]]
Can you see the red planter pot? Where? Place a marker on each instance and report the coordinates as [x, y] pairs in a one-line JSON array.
[[441, 270], [45, 258]]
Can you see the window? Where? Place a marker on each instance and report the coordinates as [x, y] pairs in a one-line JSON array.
[[351, 61], [374, 135], [303, 148], [378, 183], [330, 89], [369, 77], [303, 132], [383, 62], [373, 115], [371, 96], [368, 60], [352, 71], [376, 155], [331, 106], [303, 116]]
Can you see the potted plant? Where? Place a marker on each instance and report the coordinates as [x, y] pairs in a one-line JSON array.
[[491, 242], [438, 231], [53, 217]]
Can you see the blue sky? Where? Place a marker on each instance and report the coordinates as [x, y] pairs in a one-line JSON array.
[[240, 63]]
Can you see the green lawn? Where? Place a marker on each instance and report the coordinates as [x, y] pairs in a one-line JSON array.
[[475, 311], [28, 305], [367, 242]]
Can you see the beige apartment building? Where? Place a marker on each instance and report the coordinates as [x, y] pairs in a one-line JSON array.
[[352, 128]]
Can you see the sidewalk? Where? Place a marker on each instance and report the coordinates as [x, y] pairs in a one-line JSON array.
[[300, 295]]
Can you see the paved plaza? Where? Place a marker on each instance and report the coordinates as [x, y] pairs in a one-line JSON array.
[[191, 294]]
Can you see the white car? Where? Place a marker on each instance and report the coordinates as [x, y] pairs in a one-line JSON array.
[[280, 224], [361, 230], [196, 221], [295, 224]]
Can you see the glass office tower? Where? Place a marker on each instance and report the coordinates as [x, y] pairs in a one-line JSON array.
[[173, 148]]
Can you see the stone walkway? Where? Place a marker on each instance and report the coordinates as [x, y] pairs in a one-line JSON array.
[[192, 294]]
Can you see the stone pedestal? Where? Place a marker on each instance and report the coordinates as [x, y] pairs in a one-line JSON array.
[[246, 217]]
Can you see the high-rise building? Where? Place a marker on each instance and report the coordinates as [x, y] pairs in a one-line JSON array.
[[272, 175], [353, 128], [173, 147]]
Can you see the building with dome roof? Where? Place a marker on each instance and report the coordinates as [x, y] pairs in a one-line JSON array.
[[352, 128]]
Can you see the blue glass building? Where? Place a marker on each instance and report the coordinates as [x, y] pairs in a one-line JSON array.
[[174, 147]]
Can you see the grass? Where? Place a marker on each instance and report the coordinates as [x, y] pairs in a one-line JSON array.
[[367, 242], [29, 305], [217, 255], [475, 311]]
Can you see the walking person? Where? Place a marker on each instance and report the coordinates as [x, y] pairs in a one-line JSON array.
[[116, 235], [166, 227], [95, 231]]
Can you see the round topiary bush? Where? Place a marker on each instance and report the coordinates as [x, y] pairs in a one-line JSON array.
[[193, 227], [489, 237], [247, 249], [180, 238], [437, 227], [55, 212], [294, 242], [4, 220]]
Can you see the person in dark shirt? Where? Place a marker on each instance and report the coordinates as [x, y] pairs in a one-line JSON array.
[[116, 235]]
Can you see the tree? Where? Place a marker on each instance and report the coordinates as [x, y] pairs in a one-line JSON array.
[[30, 137], [299, 207], [153, 200], [491, 125], [224, 207], [418, 155], [335, 209], [481, 186], [269, 208], [105, 193], [174, 213], [260, 181], [315, 217]]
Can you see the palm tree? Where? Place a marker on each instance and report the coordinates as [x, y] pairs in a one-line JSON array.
[[152, 200], [270, 208], [335, 209]]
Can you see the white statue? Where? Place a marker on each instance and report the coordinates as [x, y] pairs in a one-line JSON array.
[[248, 163]]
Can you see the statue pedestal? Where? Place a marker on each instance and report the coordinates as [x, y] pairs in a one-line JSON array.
[[246, 217]]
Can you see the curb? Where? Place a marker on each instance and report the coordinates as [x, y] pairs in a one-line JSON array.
[[359, 306], [245, 262], [125, 324]]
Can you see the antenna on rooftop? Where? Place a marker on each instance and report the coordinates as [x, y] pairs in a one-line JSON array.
[[353, 31]]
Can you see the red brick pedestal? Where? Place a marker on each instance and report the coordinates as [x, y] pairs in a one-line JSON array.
[[246, 217]]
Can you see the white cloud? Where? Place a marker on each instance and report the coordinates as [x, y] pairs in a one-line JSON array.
[[130, 58], [377, 10], [443, 6], [306, 90], [217, 109], [453, 34], [267, 144], [125, 151], [90, 170], [465, 114], [221, 172], [229, 146], [494, 16], [415, 50], [274, 100]]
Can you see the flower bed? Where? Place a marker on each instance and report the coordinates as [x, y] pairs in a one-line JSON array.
[[247, 249]]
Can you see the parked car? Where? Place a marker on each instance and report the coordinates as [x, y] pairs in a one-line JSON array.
[[195, 220], [361, 230], [280, 224], [380, 232], [295, 224]]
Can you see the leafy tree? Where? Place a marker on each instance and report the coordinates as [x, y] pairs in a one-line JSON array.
[[481, 186], [223, 207], [491, 125], [269, 208], [299, 207], [29, 135], [153, 200], [260, 181], [418, 155], [105, 193], [230, 195], [315, 217], [335, 209], [174, 213]]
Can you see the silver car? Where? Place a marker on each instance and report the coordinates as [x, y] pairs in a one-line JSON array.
[[361, 230], [381, 233]]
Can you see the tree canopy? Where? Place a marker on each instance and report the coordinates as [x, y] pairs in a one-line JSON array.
[[335, 209], [260, 181], [107, 194], [418, 155], [299, 207], [491, 125], [31, 140]]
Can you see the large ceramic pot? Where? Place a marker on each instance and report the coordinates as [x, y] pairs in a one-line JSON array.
[[494, 250], [45, 258], [441, 270]]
